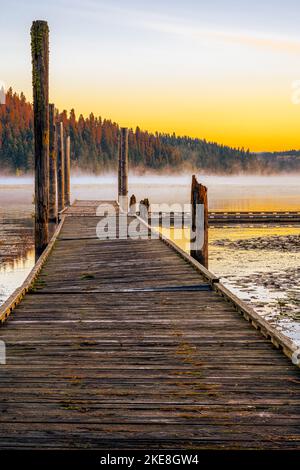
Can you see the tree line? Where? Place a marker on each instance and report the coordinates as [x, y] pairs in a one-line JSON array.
[[94, 146]]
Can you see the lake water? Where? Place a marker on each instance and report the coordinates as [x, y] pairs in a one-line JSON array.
[[266, 276]]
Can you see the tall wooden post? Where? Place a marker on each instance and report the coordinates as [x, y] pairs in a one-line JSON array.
[[67, 172], [52, 166], [61, 169], [123, 169], [132, 205], [199, 235], [119, 157], [40, 82]]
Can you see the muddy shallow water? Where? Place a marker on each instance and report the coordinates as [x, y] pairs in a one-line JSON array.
[[265, 274], [260, 264], [268, 278]]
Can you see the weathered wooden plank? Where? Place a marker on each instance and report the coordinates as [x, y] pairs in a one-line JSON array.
[[91, 364]]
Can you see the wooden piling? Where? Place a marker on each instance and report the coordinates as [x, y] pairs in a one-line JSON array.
[[61, 169], [123, 169], [160, 219], [199, 226], [67, 173], [144, 210], [119, 158], [40, 82], [52, 166], [132, 205]]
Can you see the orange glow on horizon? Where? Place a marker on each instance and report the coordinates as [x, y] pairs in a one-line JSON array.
[[260, 123]]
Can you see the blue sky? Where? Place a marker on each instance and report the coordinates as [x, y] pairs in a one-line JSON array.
[[167, 65]]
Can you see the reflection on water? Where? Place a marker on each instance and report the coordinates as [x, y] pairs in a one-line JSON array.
[[14, 272], [16, 252]]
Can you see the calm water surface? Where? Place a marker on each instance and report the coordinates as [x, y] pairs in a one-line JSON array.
[[268, 279]]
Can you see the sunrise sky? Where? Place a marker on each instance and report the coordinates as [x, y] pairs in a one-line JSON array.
[[215, 69]]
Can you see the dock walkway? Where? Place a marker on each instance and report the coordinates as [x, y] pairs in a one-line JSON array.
[[125, 344]]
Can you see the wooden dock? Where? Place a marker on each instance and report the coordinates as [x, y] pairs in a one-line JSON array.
[[129, 343], [181, 219]]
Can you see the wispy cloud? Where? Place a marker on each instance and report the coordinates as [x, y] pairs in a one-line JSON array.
[[247, 38]]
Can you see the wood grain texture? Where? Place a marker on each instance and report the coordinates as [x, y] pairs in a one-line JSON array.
[[123, 169], [60, 167], [199, 222], [68, 171], [99, 359], [53, 212]]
